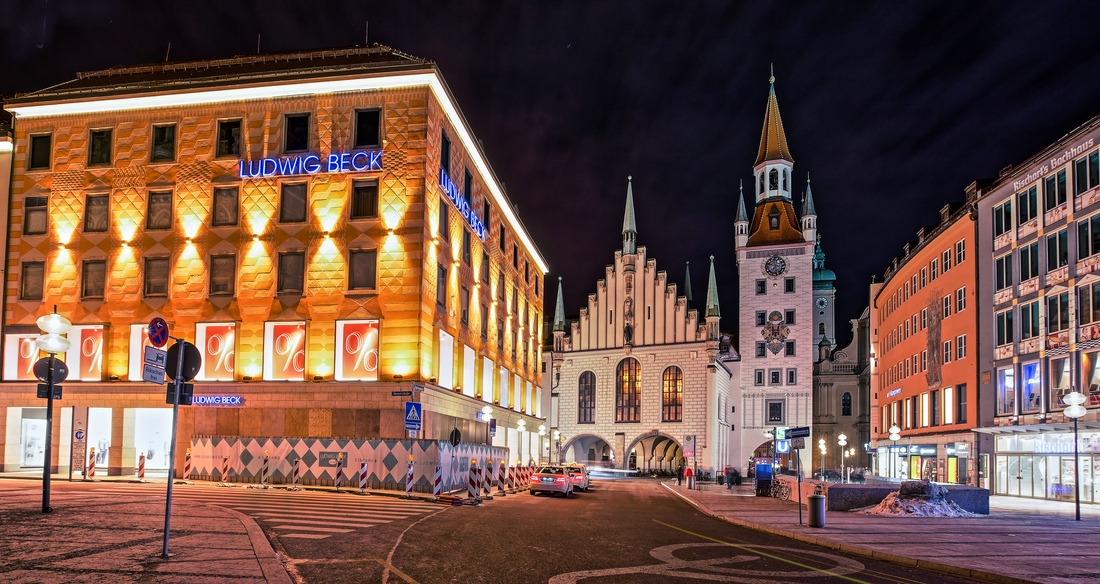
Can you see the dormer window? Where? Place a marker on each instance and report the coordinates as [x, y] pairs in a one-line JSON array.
[[773, 180], [761, 183], [773, 217]]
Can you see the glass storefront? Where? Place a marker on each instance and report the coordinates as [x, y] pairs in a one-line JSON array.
[[1040, 466], [32, 438]]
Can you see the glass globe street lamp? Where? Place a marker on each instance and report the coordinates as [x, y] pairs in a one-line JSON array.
[[542, 433], [52, 326], [1075, 410], [821, 447], [842, 440], [487, 415], [895, 435]]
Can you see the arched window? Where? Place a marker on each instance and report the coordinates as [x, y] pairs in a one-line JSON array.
[[761, 183], [773, 180], [821, 328], [628, 391], [785, 176], [586, 398], [672, 395], [846, 404]]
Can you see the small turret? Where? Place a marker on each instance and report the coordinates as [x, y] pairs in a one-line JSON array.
[[687, 285], [630, 226], [809, 214], [559, 322], [712, 314], [741, 224]]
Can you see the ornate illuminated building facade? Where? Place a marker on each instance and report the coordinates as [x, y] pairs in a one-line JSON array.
[[639, 381], [324, 226], [775, 251]]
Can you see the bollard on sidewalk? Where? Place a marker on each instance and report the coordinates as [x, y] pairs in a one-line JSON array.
[[363, 479], [339, 478], [141, 467], [816, 503], [187, 465], [409, 479], [90, 472], [437, 490]]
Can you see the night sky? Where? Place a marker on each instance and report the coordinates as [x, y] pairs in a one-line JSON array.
[[893, 111]]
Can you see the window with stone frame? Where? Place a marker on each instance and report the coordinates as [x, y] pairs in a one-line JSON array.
[[93, 279], [775, 410], [364, 200], [368, 128], [292, 203], [672, 395], [96, 219], [586, 398], [229, 138], [35, 215], [223, 270], [164, 143], [159, 210], [296, 136], [628, 385], [226, 204], [292, 272], [32, 280], [99, 147], [156, 276], [363, 269], [40, 152]]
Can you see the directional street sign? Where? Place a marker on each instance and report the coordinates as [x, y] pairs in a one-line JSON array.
[[413, 416], [798, 432]]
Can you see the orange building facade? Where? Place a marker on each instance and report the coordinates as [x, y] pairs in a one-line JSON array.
[[323, 226], [924, 349]]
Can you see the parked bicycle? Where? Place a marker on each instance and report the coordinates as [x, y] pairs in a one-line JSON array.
[[781, 490]]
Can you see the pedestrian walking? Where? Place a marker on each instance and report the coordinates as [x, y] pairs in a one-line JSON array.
[[680, 473]]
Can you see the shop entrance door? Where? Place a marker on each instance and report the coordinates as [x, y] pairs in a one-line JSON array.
[[32, 447]]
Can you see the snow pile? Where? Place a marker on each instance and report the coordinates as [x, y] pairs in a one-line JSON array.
[[918, 499], [895, 506]]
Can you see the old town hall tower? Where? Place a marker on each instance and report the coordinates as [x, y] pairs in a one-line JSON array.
[[775, 251]]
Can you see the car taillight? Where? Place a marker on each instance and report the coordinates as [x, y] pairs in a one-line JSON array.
[[559, 480]]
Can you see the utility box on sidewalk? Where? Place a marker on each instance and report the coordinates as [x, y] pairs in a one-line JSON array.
[[816, 504]]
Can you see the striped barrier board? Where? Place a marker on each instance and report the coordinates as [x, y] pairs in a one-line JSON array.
[[187, 465], [438, 488], [363, 478], [141, 467], [409, 480], [225, 469]]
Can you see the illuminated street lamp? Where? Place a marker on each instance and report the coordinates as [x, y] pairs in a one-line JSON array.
[[821, 447], [557, 446], [52, 326], [894, 437], [850, 452], [842, 440], [1075, 410], [487, 415]]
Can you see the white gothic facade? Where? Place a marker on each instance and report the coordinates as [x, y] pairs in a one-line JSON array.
[[641, 374]]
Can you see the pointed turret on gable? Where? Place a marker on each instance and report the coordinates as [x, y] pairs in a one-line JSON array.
[[630, 225], [687, 285], [809, 214], [741, 224]]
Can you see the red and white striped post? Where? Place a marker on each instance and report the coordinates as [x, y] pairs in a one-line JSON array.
[[471, 486], [438, 489], [501, 471], [527, 471], [91, 465], [187, 465], [264, 469], [487, 481], [511, 479], [297, 474], [339, 478], [141, 467], [409, 479], [363, 479], [225, 469]]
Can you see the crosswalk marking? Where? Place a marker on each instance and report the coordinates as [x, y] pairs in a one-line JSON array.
[[302, 514]]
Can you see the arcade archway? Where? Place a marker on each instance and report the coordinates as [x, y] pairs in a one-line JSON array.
[[654, 452], [590, 450]]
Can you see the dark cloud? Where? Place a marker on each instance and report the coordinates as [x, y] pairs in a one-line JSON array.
[[892, 108]]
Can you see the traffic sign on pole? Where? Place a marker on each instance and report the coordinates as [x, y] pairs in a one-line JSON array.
[[798, 432], [158, 332], [413, 416]]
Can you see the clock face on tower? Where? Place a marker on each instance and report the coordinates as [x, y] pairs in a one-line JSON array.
[[775, 266], [822, 302]]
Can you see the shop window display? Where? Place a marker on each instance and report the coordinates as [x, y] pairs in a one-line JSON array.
[[1030, 387], [1006, 392]]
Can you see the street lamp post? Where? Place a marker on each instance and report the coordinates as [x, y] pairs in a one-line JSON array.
[[542, 433], [487, 415], [842, 440], [52, 326], [1075, 410], [852, 453], [821, 447], [557, 447], [894, 437]]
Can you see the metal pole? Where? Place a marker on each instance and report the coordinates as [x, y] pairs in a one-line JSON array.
[[799, 462], [176, 382], [1076, 480], [48, 462]]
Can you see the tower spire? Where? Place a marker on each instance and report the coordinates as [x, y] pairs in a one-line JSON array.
[[808, 200], [741, 214], [559, 311], [773, 140], [712, 293], [630, 226], [687, 283]]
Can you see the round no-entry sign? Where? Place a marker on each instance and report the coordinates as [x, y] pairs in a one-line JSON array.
[[158, 332]]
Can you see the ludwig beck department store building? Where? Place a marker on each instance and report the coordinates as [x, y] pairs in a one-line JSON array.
[[322, 225]]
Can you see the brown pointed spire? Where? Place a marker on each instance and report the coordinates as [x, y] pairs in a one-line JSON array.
[[773, 140]]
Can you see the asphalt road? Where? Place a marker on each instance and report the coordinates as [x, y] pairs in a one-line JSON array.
[[621, 531]]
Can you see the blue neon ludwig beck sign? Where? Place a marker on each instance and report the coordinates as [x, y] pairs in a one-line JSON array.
[[460, 203], [359, 161]]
